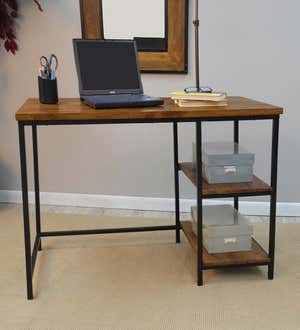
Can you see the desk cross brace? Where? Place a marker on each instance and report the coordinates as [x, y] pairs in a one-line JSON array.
[[31, 255]]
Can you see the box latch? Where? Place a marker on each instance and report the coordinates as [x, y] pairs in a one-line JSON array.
[[232, 240], [230, 169]]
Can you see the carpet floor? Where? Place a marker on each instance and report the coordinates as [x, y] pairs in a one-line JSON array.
[[140, 281]]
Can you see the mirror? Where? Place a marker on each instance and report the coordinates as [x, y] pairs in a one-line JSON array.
[[160, 28]]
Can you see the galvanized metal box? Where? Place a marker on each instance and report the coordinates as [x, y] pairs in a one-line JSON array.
[[224, 229], [225, 162]]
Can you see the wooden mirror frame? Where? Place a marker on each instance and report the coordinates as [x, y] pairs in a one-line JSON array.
[[173, 60]]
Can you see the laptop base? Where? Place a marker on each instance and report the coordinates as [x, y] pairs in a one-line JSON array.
[[121, 101]]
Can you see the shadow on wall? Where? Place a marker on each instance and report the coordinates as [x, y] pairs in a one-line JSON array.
[[8, 177], [9, 143], [3, 84]]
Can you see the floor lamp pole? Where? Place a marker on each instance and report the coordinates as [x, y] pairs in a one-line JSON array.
[[198, 87], [196, 23]]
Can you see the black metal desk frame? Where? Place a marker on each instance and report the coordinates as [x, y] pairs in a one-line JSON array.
[[31, 254]]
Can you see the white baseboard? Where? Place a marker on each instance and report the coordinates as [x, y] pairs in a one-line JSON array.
[[144, 203]]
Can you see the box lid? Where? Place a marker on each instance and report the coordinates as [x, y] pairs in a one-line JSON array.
[[215, 215], [224, 221], [226, 154]]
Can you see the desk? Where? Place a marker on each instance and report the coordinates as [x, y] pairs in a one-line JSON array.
[[73, 112]]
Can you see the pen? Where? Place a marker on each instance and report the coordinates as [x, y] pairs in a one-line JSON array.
[[52, 74]]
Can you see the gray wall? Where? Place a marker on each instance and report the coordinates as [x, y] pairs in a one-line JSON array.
[[248, 48]]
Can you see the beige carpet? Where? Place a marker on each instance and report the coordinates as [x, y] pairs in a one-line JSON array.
[[140, 281]]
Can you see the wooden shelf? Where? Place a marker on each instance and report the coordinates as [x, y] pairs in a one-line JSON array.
[[254, 188], [257, 256]]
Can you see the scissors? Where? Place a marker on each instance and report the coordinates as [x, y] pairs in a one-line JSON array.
[[49, 66]]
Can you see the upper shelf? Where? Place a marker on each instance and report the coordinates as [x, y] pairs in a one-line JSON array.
[[254, 188]]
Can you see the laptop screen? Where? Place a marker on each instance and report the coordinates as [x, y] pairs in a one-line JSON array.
[[107, 67]]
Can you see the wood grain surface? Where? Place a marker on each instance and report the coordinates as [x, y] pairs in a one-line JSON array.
[[256, 256], [74, 109], [91, 19]]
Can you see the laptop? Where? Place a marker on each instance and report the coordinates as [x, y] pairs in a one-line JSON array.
[[109, 74]]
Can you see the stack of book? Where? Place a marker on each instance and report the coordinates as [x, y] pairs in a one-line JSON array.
[[187, 100]]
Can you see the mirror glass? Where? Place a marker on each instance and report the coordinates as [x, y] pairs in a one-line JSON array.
[[139, 19]]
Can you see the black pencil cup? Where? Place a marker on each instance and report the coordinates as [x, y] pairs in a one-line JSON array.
[[48, 91]]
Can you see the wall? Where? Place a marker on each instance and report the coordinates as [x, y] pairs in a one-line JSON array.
[[248, 48]]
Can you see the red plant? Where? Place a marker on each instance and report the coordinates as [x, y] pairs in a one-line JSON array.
[[8, 15]]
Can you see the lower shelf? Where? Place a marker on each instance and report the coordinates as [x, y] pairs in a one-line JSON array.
[[257, 256]]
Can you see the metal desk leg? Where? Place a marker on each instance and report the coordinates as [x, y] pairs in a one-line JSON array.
[[274, 167], [199, 202], [236, 140], [36, 185], [25, 211], [176, 175]]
